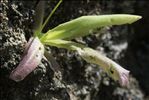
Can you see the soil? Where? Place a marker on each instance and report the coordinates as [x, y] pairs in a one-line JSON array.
[[77, 80]]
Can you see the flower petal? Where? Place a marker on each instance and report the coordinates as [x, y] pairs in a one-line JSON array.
[[31, 58]]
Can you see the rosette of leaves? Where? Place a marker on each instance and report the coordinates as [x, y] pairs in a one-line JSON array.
[[61, 36]]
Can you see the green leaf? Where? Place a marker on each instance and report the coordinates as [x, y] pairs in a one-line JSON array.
[[63, 44], [38, 24], [113, 69], [38, 18], [80, 26], [50, 15]]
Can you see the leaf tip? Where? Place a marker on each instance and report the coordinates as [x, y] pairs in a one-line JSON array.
[[135, 18]]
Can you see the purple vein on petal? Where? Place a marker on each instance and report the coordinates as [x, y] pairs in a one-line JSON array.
[[124, 77], [123, 74], [31, 58]]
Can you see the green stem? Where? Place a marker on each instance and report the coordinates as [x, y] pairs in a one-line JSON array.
[[51, 14]]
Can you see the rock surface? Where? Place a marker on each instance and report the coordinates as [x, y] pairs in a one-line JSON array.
[[77, 80]]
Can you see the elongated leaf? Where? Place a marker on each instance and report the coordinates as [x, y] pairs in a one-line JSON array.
[[39, 24], [31, 59], [80, 26], [46, 21], [63, 44], [113, 69], [38, 18]]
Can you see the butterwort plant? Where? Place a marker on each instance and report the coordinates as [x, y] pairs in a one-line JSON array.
[[61, 37]]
